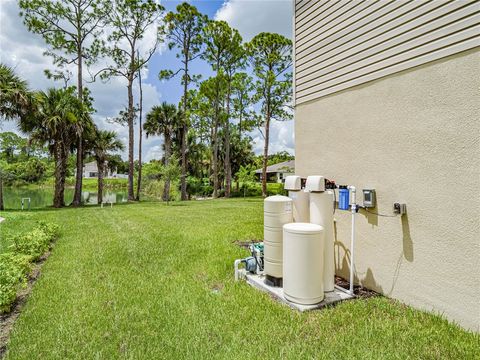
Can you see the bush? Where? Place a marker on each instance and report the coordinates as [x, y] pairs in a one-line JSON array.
[[255, 190], [36, 242], [13, 274], [15, 265], [154, 189], [199, 187]]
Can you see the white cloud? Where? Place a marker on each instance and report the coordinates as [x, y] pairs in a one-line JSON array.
[[281, 138], [251, 17]]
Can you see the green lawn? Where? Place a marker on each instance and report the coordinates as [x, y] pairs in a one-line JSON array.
[[150, 281]]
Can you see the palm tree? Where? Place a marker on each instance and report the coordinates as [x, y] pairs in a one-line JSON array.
[[104, 143], [56, 122], [15, 97], [164, 120], [15, 101]]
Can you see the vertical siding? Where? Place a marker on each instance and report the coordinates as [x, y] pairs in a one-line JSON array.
[[343, 43]]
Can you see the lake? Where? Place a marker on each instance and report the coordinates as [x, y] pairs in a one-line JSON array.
[[42, 197]]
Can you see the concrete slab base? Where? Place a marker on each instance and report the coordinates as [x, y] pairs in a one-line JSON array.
[[258, 281]]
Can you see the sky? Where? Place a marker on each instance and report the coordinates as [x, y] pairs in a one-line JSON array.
[[23, 51]]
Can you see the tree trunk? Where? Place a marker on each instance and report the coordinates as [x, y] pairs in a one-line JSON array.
[[168, 153], [139, 181], [131, 141], [2, 207], [265, 152], [183, 177], [215, 140], [101, 170], [60, 172], [215, 160], [77, 196], [228, 165]]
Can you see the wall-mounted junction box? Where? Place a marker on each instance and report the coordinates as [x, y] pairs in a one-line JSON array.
[[399, 209], [369, 199]]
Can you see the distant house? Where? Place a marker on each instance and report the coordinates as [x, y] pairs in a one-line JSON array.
[[278, 172], [90, 170]]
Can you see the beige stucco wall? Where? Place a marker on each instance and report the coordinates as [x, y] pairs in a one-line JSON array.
[[414, 137]]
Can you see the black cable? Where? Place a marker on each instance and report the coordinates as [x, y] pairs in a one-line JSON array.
[[374, 213]]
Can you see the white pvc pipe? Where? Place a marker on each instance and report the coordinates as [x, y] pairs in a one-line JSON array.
[[352, 241], [235, 266]]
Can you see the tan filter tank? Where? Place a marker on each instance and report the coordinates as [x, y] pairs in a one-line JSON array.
[[303, 273], [301, 211], [300, 198], [321, 213], [277, 212]]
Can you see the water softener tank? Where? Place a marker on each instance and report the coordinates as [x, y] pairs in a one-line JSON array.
[[300, 198], [303, 273], [277, 212], [321, 213]]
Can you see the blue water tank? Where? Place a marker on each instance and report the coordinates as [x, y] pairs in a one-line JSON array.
[[343, 198]]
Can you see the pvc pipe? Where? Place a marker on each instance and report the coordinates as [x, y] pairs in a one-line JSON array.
[[352, 241], [235, 266]]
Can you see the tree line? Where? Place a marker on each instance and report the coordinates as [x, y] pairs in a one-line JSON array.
[[206, 133]]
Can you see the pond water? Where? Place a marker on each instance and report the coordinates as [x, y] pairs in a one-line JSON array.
[[43, 197]]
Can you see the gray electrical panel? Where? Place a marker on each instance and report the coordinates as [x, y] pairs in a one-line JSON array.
[[369, 199]]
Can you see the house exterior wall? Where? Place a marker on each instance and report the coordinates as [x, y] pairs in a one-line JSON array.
[[346, 43], [414, 137], [408, 129], [90, 170]]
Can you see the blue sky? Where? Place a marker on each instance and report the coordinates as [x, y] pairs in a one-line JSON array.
[[24, 51]]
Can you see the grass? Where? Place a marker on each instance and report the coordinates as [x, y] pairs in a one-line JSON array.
[[150, 281]]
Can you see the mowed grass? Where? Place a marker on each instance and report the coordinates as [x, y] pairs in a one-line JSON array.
[[151, 281]]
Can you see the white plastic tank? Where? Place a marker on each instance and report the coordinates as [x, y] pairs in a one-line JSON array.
[[321, 213], [300, 198], [277, 212], [303, 272]]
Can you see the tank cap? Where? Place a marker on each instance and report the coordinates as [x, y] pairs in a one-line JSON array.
[[315, 183], [302, 228], [293, 182]]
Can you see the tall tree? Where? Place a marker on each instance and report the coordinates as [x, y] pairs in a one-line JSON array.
[[56, 123], [233, 61], [104, 143], [72, 29], [184, 29], [140, 133], [217, 36], [270, 56], [213, 91], [164, 120], [242, 88], [130, 20]]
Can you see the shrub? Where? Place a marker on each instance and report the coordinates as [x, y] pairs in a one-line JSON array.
[[36, 242], [13, 274], [154, 189], [15, 265]]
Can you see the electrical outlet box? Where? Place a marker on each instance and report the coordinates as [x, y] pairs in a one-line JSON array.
[[369, 198], [399, 208]]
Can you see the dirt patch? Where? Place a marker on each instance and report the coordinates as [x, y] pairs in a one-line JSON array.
[[245, 244], [7, 320], [358, 290]]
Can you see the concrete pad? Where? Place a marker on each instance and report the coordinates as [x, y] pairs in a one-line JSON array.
[[258, 281]]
